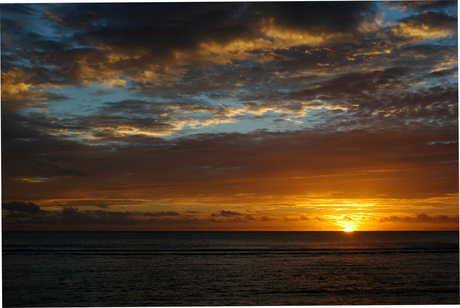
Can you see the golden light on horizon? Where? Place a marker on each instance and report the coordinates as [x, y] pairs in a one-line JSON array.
[[348, 230]]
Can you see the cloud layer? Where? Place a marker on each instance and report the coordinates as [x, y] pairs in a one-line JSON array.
[[222, 108]]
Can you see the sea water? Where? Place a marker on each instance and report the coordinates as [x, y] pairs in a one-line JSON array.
[[229, 268]]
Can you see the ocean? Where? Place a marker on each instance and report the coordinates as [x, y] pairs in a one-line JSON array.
[[229, 268]]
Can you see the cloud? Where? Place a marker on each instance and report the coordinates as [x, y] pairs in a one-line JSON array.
[[163, 37], [27, 215], [224, 213], [162, 214], [193, 212], [18, 8], [421, 218], [427, 25], [117, 62], [75, 217], [19, 214], [248, 217], [281, 163], [318, 17], [289, 219], [18, 90], [422, 5], [24, 207]]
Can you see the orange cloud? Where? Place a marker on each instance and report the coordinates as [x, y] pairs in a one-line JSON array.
[[20, 90], [426, 26]]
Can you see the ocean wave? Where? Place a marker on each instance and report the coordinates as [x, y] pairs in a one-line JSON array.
[[83, 250]]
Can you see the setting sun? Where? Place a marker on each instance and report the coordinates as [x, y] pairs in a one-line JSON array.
[[348, 230]]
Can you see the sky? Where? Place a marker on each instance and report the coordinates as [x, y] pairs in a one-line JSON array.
[[263, 116]]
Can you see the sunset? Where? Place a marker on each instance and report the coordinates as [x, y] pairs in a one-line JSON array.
[[261, 116]]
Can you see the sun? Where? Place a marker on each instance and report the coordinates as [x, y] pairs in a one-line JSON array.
[[348, 230]]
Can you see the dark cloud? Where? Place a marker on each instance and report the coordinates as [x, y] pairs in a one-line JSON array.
[[422, 218], [24, 207], [318, 16], [169, 26], [153, 33], [433, 19], [443, 73], [248, 217], [161, 214], [430, 21], [423, 5], [224, 213], [73, 216], [419, 151], [18, 8]]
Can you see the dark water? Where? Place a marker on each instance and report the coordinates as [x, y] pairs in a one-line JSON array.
[[229, 268]]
